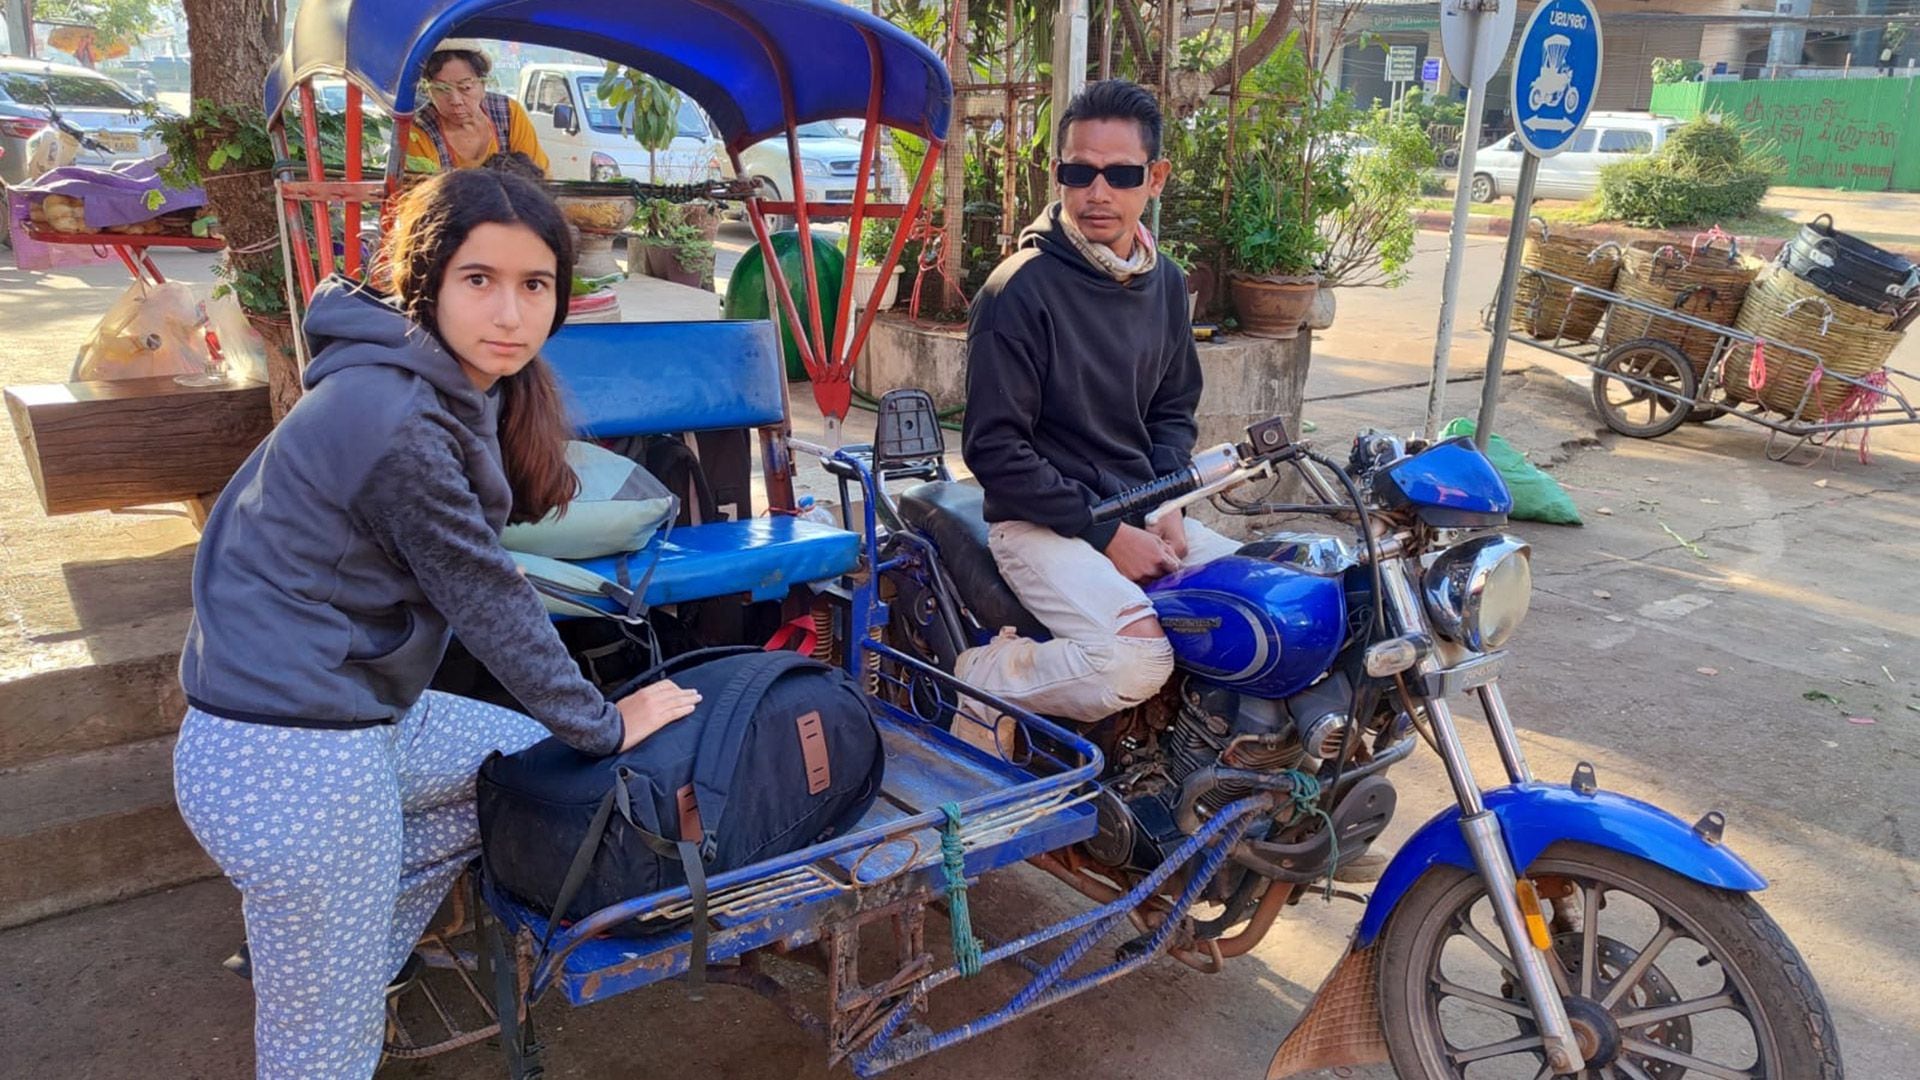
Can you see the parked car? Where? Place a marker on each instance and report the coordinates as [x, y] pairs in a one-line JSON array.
[[1575, 172], [585, 140], [829, 160], [106, 111]]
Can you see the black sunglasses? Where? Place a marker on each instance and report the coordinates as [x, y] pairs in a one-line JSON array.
[[1075, 175]]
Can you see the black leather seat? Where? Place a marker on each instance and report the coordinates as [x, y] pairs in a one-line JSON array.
[[951, 515]]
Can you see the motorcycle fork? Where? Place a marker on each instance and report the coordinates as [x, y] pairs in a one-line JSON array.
[[1482, 831]]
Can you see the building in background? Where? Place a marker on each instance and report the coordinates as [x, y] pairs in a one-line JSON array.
[[1730, 38]]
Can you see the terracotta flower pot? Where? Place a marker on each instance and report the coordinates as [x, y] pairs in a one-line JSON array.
[[1272, 305]]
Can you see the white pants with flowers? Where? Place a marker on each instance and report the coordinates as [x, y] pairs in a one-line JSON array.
[[342, 843]]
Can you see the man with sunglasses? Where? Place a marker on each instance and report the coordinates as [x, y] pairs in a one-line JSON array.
[[1081, 382]]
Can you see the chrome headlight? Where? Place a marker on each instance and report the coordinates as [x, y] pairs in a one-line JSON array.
[[1477, 592]]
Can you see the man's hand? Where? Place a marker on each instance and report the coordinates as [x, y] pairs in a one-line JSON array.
[[653, 707], [1173, 529], [1141, 556]]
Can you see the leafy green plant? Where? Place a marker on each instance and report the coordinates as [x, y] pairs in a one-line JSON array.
[[1675, 71], [666, 224], [1291, 173], [644, 105], [1370, 239], [876, 239], [1707, 171]]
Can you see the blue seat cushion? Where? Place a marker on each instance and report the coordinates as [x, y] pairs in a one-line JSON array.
[[763, 557]]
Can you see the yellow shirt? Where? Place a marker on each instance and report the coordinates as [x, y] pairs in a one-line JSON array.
[[520, 139]]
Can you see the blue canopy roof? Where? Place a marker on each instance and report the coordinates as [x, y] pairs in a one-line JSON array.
[[710, 49]]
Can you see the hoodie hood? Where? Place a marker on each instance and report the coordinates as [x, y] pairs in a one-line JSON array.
[[1051, 234], [350, 325]]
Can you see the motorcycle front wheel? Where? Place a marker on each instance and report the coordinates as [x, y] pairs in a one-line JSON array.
[[1663, 978]]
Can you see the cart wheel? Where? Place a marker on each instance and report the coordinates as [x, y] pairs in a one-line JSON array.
[[1706, 414], [1643, 389], [1573, 99], [1534, 98]]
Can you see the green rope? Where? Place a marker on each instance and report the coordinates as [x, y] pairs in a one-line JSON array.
[[1306, 800], [953, 857]]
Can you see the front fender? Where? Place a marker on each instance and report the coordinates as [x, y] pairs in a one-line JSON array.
[[1533, 816]]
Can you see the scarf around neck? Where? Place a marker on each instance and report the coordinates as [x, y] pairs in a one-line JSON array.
[[1103, 257]]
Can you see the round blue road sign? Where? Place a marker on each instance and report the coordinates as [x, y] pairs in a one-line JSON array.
[[1556, 74]]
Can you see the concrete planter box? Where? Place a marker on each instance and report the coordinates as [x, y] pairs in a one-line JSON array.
[[1246, 379]]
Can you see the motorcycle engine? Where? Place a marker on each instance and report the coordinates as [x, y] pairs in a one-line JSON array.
[[1211, 726]]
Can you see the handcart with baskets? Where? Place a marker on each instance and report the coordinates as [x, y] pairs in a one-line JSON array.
[[1694, 334]]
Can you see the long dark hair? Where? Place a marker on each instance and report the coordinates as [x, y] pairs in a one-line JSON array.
[[431, 223]]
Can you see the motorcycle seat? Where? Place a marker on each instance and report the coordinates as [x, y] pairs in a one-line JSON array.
[[952, 515]]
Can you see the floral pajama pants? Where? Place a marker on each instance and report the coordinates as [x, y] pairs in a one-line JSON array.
[[342, 843]]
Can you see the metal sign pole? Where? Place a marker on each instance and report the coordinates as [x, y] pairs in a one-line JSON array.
[[1456, 255], [1503, 306]]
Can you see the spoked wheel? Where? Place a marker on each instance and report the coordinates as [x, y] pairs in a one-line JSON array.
[[1643, 388], [1662, 977]]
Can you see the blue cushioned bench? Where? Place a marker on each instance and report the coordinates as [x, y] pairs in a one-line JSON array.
[[630, 379]]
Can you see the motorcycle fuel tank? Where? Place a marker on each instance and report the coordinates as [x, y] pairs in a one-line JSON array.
[[1254, 626]]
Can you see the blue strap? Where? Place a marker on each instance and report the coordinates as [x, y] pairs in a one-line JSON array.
[[953, 860]]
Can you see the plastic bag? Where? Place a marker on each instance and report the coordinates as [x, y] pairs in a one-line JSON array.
[[1536, 496], [240, 343], [151, 330]]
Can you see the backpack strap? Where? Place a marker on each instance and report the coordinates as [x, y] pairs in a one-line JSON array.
[[720, 739], [685, 850]]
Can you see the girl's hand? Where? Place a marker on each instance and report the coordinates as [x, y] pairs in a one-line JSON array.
[[653, 707]]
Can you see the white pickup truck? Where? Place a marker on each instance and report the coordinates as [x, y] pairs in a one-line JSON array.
[[583, 139]]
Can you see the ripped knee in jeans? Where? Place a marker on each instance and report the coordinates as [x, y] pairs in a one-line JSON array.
[[1134, 668], [1139, 621]]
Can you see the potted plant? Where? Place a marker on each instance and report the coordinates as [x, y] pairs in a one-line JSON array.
[[1289, 177], [674, 242], [876, 239]]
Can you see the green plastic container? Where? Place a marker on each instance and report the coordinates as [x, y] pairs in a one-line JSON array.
[[749, 298]]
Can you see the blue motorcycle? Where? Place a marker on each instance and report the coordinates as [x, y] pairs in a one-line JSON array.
[[1532, 930]]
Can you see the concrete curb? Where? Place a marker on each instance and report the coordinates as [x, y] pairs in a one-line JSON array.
[[1761, 247]]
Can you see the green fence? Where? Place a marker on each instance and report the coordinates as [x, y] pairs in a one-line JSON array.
[[1857, 134]]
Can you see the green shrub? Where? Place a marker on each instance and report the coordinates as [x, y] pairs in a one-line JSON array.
[[1675, 71], [1706, 172]]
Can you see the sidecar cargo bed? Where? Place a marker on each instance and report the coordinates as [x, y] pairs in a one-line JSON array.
[[1007, 815]]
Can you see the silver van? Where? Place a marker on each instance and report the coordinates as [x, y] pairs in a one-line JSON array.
[[1574, 173]]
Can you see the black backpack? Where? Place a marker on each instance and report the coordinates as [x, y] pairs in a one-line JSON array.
[[781, 753]]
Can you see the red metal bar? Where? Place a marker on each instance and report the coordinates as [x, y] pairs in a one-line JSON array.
[[146, 260], [133, 267], [316, 171], [352, 230], [835, 211], [808, 272], [843, 362], [911, 207], [776, 277], [790, 112]]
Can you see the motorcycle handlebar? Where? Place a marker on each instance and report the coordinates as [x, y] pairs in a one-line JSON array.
[[1141, 499]]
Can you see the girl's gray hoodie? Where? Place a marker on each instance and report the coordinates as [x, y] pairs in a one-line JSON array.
[[363, 530]]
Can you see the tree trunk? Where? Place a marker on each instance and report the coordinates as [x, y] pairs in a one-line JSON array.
[[244, 36], [1258, 47], [954, 168]]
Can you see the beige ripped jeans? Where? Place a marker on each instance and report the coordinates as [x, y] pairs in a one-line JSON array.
[[1088, 670]]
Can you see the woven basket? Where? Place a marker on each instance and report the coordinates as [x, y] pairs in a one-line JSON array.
[[1781, 307], [1549, 307], [1706, 283]]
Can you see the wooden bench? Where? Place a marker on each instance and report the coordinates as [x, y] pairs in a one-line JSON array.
[[130, 442]]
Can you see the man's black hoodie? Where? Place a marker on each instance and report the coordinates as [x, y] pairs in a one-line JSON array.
[[1078, 386]]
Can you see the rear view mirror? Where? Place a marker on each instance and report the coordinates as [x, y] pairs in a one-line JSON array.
[[564, 120]]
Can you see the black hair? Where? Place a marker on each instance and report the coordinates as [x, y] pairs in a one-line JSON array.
[[516, 163], [1115, 99], [478, 61]]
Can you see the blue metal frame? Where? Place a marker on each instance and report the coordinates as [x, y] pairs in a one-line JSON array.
[[1533, 816]]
